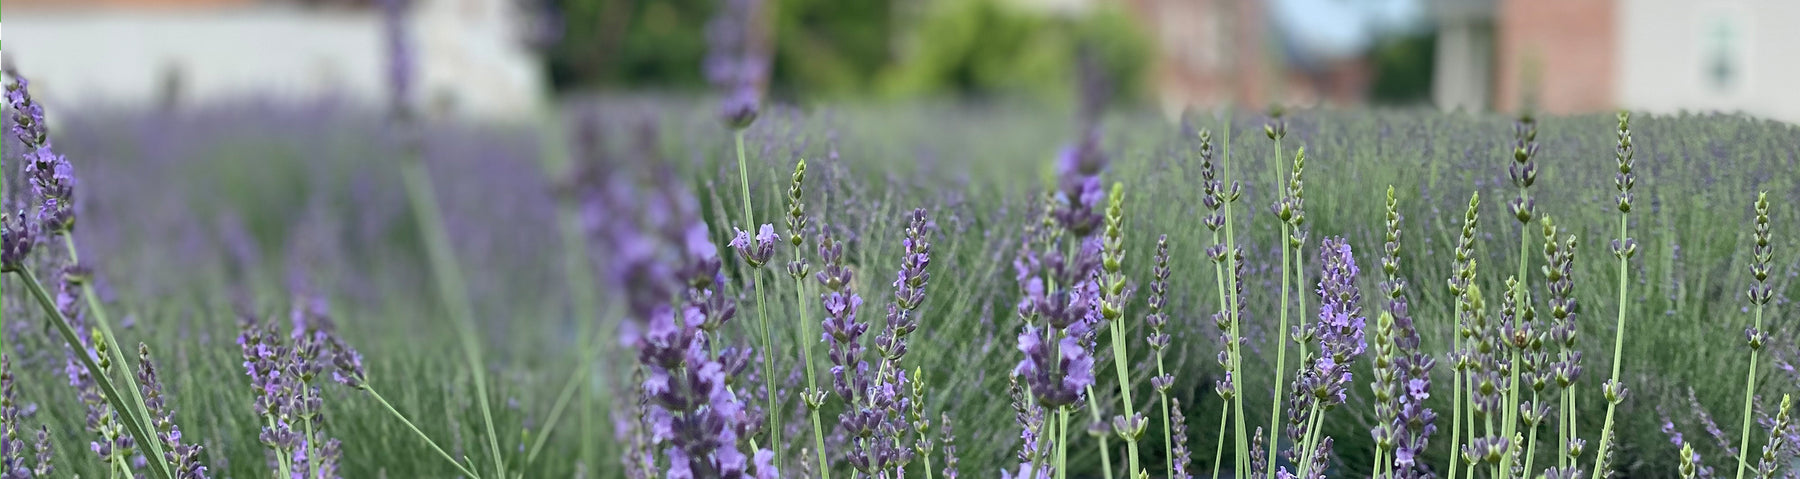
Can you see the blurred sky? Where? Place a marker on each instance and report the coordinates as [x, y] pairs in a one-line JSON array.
[[1343, 28]]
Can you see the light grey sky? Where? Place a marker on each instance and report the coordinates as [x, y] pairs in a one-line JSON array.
[[1342, 28]]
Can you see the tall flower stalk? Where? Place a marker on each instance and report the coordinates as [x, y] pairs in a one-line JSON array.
[[1323, 381], [738, 65], [1461, 282], [1623, 248], [1130, 425], [1523, 172], [798, 269], [1284, 209], [1218, 194], [1402, 372], [53, 183], [452, 289], [1159, 344], [1761, 262]]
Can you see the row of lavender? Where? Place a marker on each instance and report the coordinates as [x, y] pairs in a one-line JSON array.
[[708, 396], [1399, 398]]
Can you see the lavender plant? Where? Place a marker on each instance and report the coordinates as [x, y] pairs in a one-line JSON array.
[[1321, 383], [1158, 340], [53, 183], [1402, 371], [452, 288], [1130, 425], [1762, 255], [13, 463], [1623, 248], [1462, 354], [798, 269], [1284, 209], [738, 64]]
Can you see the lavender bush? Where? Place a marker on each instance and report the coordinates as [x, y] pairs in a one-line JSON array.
[[939, 280]]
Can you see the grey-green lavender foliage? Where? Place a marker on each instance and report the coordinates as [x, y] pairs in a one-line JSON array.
[[169, 263]]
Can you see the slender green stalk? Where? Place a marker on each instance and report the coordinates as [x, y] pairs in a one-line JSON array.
[[421, 434], [812, 383], [133, 423], [1237, 400], [762, 314], [311, 462], [1219, 445], [1531, 439], [1168, 442], [1310, 444], [1062, 442], [1281, 331], [590, 355], [452, 290], [1105, 449], [1623, 248], [1119, 359], [1456, 402], [580, 281], [112, 344], [1749, 398]]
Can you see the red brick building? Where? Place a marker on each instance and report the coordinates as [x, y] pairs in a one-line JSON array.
[[1556, 55]]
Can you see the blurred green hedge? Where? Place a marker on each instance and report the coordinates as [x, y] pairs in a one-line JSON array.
[[864, 48]]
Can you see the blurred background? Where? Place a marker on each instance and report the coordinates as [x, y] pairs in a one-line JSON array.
[[499, 58]]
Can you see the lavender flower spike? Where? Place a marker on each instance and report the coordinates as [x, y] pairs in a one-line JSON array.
[[183, 458], [737, 61], [52, 177], [756, 251]]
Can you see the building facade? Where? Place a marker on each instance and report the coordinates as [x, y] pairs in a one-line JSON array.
[[470, 59]]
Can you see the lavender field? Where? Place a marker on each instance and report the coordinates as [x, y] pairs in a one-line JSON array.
[[724, 286]]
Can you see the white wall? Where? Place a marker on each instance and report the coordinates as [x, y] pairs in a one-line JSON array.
[[1666, 48], [121, 57]]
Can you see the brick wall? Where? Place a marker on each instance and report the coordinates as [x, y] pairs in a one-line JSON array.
[[1563, 50]]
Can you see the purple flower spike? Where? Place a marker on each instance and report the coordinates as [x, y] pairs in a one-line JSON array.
[[737, 61], [755, 251], [52, 177]]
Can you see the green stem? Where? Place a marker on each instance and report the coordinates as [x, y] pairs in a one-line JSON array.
[[311, 470], [1119, 359], [421, 434], [133, 424], [1309, 444], [451, 290], [1456, 402], [1749, 398], [1618, 355], [1219, 444], [1509, 426], [562, 402], [1281, 332], [112, 343], [1062, 442], [1531, 440], [1168, 441], [812, 384], [1237, 400], [762, 314], [1105, 449]]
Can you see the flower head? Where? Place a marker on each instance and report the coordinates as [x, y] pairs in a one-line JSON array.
[[755, 251]]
